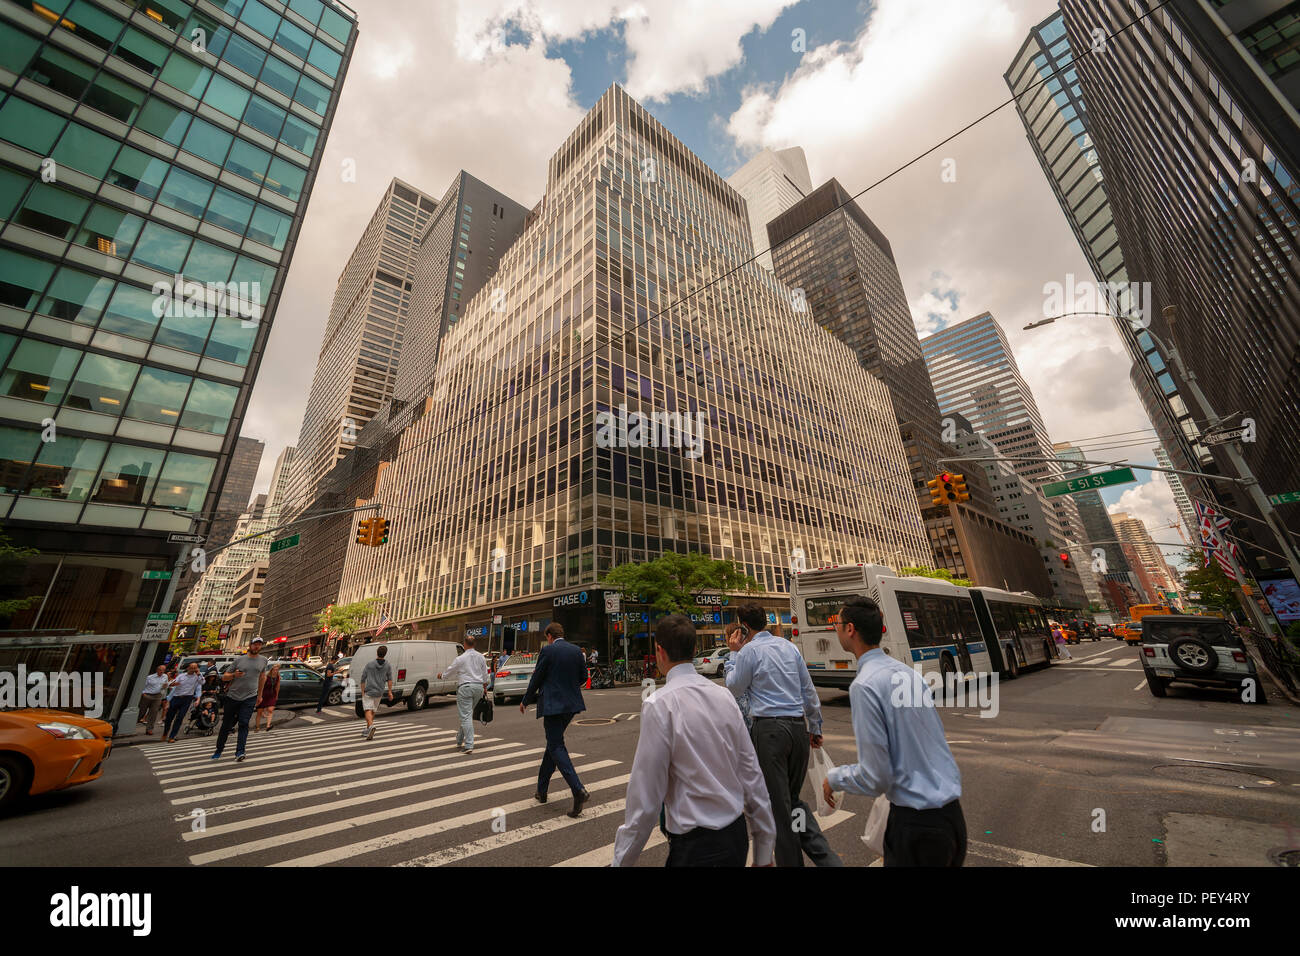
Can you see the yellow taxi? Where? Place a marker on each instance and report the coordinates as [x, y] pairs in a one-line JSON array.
[[44, 750], [1129, 631]]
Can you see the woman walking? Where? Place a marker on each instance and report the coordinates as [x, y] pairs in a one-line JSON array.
[[266, 703]]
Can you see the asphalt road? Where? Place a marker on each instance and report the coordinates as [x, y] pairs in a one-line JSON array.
[[1080, 765]]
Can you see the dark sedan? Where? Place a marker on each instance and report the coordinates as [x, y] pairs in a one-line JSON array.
[[300, 684]]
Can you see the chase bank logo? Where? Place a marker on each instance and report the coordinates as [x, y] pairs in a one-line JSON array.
[[582, 598]]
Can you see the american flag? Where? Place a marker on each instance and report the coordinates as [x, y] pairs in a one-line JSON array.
[[1211, 522], [385, 622]]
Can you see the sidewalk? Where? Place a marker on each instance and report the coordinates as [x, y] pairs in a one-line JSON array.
[[279, 718]]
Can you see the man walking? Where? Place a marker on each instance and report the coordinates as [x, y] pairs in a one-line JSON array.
[[244, 683], [471, 671], [787, 723], [155, 685], [558, 679], [376, 679], [185, 691], [694, 759], [902, 751], [325, 687], [735, 641]]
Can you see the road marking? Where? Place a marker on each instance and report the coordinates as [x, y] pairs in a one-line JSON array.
[[303, 744], [310, 718], [351, 851], [1003, 854], [380, 816], [1124, 663], [1141, 685], [262, 760], [453, 854]]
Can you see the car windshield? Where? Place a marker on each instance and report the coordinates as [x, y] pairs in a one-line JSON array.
[[1214, 633]]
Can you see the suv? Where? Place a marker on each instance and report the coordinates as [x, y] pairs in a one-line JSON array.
[[1192, 649]]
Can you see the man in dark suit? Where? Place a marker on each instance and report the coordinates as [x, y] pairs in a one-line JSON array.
[[558, 679]]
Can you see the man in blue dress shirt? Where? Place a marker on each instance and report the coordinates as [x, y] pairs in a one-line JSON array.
[[902, 751], [787, 718]]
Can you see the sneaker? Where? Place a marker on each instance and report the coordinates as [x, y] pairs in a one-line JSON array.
[[370, 734], [365, 734], [239, 758], [216, 757]]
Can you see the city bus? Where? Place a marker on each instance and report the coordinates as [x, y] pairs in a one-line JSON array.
[[928, 622], [1015, 628]]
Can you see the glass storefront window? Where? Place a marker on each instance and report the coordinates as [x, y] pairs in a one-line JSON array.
[[209, 407], [128, 475], [130, 312], [184, 482], [158, 396], [65, 468], [39, 372], [102, 384]]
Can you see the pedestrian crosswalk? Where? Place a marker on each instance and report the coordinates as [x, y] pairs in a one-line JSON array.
[[309, 716]]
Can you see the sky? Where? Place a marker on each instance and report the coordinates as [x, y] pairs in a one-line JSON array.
[[494, 86]]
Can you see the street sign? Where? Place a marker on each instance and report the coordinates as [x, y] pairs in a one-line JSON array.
[[1120, 476], [158, 627], [289, 542], [177, 538], [1286, 498], [496, 618], [1222, 438], [157, 575], [613, 603]]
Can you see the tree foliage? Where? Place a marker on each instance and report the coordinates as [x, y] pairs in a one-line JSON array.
[[11, 574], [943, 574], [348, 618], [670, 582], [1217, 591]]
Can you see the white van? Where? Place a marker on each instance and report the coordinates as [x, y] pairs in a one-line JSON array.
[[416, 666]]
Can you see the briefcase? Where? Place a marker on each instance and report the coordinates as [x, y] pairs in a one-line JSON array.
[[483, 709]]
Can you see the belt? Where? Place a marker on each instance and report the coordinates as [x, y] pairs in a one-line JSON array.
[[697, 832], [799, 718], [913, 811]]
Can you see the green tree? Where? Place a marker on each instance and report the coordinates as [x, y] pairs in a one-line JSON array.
[[11, 570], [348, 618], [1217, 591], [943, 574], [670, 582]]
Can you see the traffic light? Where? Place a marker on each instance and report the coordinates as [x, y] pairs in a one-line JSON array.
[[365, 529], [936, 491], [959, 486], [380, 534], [1065, 558]]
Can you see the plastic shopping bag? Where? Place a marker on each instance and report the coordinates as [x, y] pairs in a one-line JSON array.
[[819, 765], [874, 834]]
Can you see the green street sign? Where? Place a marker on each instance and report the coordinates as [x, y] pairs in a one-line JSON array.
[[1120, 476], [289, 542], [157, 575], [1287, 498]]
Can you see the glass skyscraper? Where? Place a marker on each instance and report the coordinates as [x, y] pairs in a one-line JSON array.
[[156, 158]]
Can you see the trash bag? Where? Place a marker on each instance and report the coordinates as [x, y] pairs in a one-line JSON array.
[[483, 709], [819, 765], [874, 834]]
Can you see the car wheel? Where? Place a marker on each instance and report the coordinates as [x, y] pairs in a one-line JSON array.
[[1194, 654], [334, 697], [14, 781], [498, 699], [1158, 686], [417, 698]]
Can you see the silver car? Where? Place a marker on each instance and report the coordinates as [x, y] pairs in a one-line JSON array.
[[511, 678], [710, 663]]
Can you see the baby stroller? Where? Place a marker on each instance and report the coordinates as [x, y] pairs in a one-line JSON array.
[[203, 716]]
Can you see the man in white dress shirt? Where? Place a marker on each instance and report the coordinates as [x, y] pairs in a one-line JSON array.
[[694, 759], [471, 671]]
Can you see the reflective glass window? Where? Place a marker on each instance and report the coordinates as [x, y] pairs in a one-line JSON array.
[[162, 248], [185, 191], [16, 49], [22, 278], [280, 76], [164, 121], [244, 55], [141, 51], [61, 72], [170, 13], [232, 339], [309, 10], [53, 211], [76, 296], [248, 160], [158, 396], [270, 227], [264, 116], [293, 38], [138, 172], [313, 95], [226, 95], [300, 135], [184, 482], [209, 407], [128, 475], [65, 468], [12, 187], [86, 150], [261, 18], [116, 98], [336, 25], [209, 262], [18, 446], [208, 142], [229, 210], [130, 312], [248, 269], [184, 332], [186, 75], [110, 231], [29, 126], [286, 178], [39, 371], [102, 384], [324, 58]]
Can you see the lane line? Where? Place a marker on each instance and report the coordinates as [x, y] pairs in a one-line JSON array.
[[1141, 685]]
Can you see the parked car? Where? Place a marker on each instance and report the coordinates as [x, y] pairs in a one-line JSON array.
[[710, 662], [416, 666], [43, 750], [300, 684], [315, 661], [1193, 649], [204, 661], [512, 678]]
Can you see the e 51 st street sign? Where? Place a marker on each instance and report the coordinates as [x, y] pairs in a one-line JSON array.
[[289, 542], [1120, 476], [1286, 498]]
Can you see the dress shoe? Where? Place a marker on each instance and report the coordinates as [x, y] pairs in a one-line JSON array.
[[539, 797], [579, 798]]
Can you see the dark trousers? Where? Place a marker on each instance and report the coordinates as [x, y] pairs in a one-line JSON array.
[[557, 755], [324, 696], [237, 711], [177, 708], [926, 837], [782, 746], [701, 847]]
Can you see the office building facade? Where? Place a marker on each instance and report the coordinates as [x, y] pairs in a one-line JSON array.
[[770, 182], [531, 473], [1205, 203]]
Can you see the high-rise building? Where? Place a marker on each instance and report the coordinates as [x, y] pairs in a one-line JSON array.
[[975, 375], [238, 489], [242, 618], [357, 365], [1205, 203], [1133, 533], [1183, 501], [532, 472], [453, 256], [1049, 100], [152, 188], [771, 182]]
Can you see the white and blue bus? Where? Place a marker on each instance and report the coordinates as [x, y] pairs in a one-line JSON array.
[[1015, 628], [928, 622]]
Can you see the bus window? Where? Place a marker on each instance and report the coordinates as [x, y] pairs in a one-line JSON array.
[[1004, 620], [909, 606], [936, 621], [823, 611], [970, 625]]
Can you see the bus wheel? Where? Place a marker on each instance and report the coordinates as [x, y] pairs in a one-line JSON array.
[[1013, 665], [1047, 653], [946, 667]]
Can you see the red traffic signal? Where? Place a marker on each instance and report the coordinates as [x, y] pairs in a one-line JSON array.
[[1065, 558], [945, 477]]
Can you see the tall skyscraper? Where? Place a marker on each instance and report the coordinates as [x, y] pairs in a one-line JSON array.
[[357, 366], [1044, 79], [771, 182], [975, 375], [1178, 489], [1206, 204], [152, 188], [238, 489], [532, 473], [1151, 561]]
